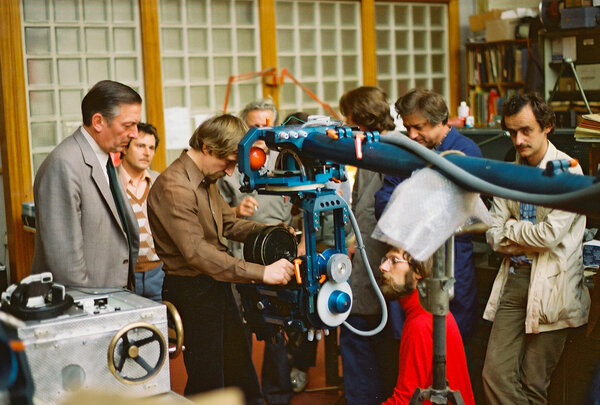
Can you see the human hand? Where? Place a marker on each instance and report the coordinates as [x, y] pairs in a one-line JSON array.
[[247, 207], [351, 250], [511, 248], [280, 272], [288, 227]]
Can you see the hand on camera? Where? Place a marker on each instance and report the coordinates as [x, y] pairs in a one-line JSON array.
[[280, 272]]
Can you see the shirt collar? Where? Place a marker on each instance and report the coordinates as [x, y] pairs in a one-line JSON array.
[[127, 178], [102, 156], [410, 303], [444, 139], [194, 173]]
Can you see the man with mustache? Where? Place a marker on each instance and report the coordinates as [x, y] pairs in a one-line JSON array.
[[425, 116], [400, 276], [190, 224], [538, 293], [137, 178]]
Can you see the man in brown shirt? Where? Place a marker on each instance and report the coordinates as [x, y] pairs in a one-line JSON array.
[[190, 223]]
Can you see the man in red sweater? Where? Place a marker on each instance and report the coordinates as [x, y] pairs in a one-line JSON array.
[[401, 273]]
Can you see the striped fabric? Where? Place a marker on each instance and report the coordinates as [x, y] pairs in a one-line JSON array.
[[147, 257]]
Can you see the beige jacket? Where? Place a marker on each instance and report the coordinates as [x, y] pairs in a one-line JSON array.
[[557, 296]]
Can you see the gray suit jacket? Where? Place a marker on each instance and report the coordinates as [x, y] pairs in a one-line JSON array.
[[79, 237]]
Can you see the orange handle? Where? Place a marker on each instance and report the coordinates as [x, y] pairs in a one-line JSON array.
[[358, 138], [322, 279], [332, 133], [297, 263]]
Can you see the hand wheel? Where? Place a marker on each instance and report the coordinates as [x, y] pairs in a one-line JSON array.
[[136, 353], [175, 330]]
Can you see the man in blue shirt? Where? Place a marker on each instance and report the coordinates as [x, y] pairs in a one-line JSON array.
[[425, 117]]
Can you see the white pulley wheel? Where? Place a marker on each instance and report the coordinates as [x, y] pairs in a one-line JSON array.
[[339, 267], [331, 297]]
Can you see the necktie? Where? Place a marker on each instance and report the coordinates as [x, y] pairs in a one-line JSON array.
[[116, 193]]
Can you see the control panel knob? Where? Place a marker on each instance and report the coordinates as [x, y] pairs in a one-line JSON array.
[[339, 302]]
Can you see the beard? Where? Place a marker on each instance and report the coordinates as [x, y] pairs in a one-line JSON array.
[[393, 291], [212, 178]]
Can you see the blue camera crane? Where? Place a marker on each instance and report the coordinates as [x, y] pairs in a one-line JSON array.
[[313, 155]]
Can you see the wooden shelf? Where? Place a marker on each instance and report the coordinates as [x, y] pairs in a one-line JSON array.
[[523, 41], [494, 71], [575, 95], [498, 84]]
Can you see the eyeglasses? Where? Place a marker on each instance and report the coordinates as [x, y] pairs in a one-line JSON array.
[[393, 260]]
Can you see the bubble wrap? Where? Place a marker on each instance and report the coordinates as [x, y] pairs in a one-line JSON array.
[[424, 211]]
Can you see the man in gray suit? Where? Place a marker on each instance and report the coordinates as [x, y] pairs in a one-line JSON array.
[[82, 236]]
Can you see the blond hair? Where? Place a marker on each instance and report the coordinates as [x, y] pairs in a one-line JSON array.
[[221, 134]]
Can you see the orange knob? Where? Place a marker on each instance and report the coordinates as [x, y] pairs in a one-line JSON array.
[[332, 133], [258, 157]]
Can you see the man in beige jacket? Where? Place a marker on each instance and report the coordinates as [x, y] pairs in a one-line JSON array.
[[539, 292]]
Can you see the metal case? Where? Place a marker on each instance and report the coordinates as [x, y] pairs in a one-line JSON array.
[[73, 351]]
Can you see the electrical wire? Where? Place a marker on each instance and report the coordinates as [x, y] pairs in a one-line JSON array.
[[363, 254]]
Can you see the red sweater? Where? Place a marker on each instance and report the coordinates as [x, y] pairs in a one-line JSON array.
[[416, 355]]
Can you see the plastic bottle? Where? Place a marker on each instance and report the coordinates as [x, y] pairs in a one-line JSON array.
[[463, 110]]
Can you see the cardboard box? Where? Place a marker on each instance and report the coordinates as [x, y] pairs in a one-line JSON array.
[[591, 253], [588, 47], [579, 17], [567, 84], [588, 76], [500, 29], [477, 21], [578, 3], [508, 4]]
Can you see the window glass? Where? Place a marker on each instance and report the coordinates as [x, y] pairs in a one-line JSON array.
[[320, 44], [412, 47], [70, 45], [216, 39]]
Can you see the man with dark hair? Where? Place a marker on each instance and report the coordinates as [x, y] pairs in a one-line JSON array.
[[368, 362], [425, 116], [85, 234], [539, 292], [137, 178], [401, 274], [190, 224]]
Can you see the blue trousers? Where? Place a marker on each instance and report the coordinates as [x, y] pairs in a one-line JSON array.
[[369, 363], [149, 283]]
